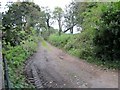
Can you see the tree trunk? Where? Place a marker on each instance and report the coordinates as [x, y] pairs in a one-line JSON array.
[[60, 27], [72, 24], [48, 26], [71, 30]]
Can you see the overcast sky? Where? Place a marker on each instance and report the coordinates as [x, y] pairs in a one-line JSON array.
[[50, 3]]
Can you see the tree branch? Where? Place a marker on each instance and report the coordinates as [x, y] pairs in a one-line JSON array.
[[69, 28]]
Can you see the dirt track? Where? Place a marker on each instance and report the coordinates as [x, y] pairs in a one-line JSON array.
[[50, 67]]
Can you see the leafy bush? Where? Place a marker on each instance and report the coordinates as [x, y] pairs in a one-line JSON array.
[[59, 41], [107, 35], [15, 55], [74, 52], [45, 33]]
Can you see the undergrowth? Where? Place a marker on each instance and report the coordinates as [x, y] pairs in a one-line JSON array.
[[81, 46], [16, 57]]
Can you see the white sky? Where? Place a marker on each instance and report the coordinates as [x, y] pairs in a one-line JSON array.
[[50, 3]]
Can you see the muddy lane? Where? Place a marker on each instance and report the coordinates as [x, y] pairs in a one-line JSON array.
[[50, 67]]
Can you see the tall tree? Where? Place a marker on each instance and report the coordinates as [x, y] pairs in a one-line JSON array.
[[20, 16], [58, 14], [69, 16], [47, 17], [74, 15]]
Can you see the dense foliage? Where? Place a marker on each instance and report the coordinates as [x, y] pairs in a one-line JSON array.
[[107, 39], [18, 19], [16, 56], [20, 39]]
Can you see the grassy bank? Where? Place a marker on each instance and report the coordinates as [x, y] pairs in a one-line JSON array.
[[16, 57], [81, 46]]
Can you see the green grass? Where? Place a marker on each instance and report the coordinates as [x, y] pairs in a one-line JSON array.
[[44, 43]]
